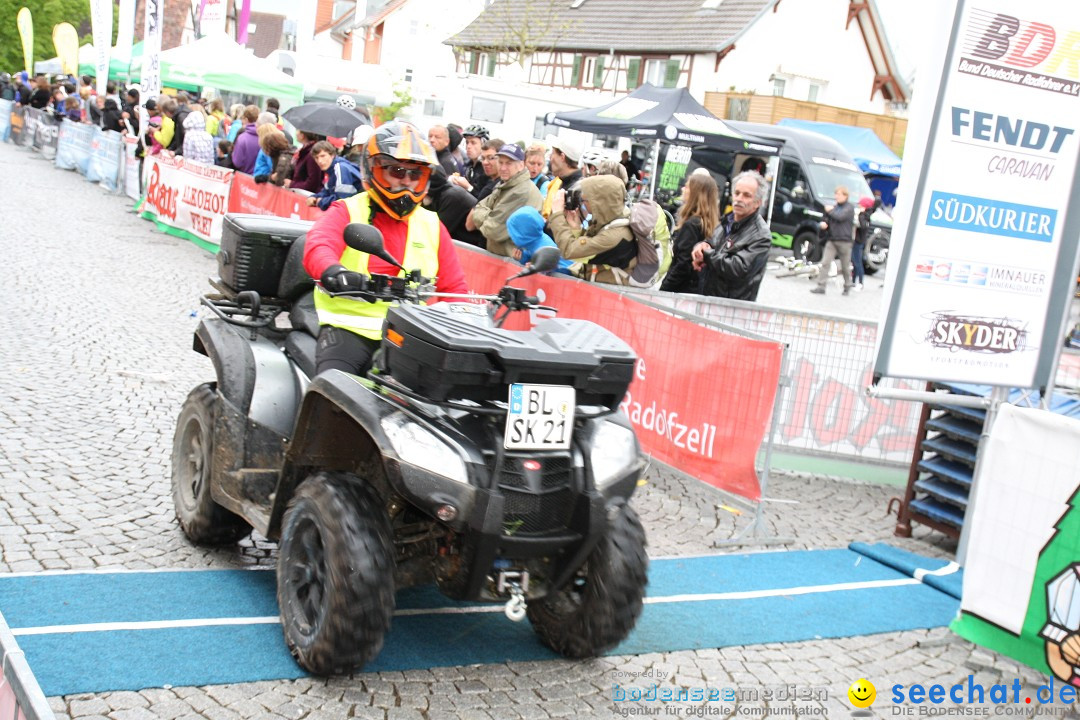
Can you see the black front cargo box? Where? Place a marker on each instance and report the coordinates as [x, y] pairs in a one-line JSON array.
[[253, 251], [443, 357]]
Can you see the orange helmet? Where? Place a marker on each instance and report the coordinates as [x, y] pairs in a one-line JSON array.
[[396, 150]]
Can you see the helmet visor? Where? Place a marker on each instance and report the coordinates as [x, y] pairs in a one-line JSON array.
[[396, 177]]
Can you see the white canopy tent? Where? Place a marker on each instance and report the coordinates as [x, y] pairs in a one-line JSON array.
[[52, 65], [328, 78]]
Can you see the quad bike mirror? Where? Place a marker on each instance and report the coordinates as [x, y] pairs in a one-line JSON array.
[[368, 239], [543, 260]]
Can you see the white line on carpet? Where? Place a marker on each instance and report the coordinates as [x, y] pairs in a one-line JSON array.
[[493, 608]]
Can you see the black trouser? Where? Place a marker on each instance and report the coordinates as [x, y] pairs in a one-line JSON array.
[[343, 350]]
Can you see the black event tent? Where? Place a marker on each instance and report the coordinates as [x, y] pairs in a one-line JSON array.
[[665, 114]]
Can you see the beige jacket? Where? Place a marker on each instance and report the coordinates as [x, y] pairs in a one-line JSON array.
[[605, 196], [491, 213]]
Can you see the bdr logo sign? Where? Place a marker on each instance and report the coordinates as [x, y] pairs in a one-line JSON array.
[[1024, 44]]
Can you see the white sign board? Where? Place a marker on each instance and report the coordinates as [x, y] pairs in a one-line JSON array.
[[101, 20], [991, 239], [151, 66]]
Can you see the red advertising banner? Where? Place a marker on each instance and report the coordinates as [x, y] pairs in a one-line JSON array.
[[187, 195], [701, 399], [248, 196]]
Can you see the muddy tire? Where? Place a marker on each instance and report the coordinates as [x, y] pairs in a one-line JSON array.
[[598, 608], [200, 517], [335, 574]]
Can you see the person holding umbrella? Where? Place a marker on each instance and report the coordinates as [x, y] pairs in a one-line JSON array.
[[335, 120]]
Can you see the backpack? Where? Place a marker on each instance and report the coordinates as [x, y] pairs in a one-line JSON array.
[[644, 219]]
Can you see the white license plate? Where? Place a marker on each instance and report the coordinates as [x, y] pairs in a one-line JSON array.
[[540, 417]]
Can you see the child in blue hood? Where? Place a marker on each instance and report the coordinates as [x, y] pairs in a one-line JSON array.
[[526, 228]]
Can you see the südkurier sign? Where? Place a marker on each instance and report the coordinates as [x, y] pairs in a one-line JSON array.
[[990, 240]]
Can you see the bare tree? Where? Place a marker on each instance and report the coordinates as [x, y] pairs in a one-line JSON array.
[[518, 29]]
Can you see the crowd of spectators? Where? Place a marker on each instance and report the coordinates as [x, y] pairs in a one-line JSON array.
[[506, 197]]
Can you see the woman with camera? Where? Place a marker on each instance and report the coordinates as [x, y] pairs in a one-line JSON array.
[[591, 223]]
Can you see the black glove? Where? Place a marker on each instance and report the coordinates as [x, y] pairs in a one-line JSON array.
[[337, 279], [261, 178]]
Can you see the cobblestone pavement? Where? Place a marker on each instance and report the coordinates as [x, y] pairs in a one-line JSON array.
[[98, 311]]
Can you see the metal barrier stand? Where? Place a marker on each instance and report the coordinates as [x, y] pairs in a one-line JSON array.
[[17, 674], [756, 533]]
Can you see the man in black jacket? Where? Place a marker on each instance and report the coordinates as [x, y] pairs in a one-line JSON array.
[[733, 260], [452, 204], [839, 220]]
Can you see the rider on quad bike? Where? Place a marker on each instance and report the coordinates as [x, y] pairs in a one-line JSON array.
[[396, 167], [491, 463]]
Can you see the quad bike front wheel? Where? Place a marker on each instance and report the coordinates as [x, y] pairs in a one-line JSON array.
[[200, 517], [598, 608], [335, 574]]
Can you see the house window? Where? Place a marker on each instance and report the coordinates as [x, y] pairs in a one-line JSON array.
[[487, 110], [408, 74], [482, 64], [588, 69], [655, 71], [662, 73], [433, 108], [778, 85], [812, 93]]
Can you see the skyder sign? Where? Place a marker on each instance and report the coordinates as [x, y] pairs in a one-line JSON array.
[[1003, 123]]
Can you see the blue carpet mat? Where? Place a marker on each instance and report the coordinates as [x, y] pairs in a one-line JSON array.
[[950, 581], [701, 602]]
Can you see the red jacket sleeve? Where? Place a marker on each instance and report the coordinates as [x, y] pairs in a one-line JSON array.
[[326, 240], [451, 275]]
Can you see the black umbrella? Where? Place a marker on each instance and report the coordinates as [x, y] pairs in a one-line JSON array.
[[324, 118]]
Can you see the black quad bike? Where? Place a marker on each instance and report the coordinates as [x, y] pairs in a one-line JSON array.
[[490, 462]]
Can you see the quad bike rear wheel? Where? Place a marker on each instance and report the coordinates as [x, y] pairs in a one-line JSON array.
[[598, 608], [335, 574], [200, 517]]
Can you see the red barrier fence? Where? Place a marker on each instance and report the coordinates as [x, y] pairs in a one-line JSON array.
[[701, 399], [248, 196]]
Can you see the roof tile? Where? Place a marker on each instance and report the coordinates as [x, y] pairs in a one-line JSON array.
[[625, 25]]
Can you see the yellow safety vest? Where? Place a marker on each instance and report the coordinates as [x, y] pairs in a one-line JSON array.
[[421, 252]]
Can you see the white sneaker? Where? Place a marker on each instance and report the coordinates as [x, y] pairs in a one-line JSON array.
[[858, 287]]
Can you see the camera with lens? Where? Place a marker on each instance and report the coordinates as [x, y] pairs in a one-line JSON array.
[[573, 199]]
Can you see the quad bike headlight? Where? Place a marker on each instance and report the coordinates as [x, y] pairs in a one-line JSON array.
[[418, 446], [614, 449]]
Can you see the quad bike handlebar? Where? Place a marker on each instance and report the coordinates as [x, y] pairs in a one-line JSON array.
[[414, 287]]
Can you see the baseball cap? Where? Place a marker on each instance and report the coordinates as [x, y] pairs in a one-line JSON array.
[[568, 146], [512, 151]]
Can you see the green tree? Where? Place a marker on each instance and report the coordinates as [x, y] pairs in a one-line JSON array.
[[46, 14], [402, 99]]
